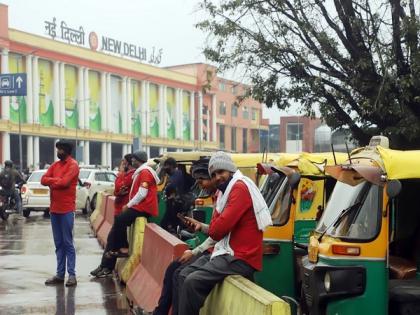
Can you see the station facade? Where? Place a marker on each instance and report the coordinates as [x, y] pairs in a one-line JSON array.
[[109, 104]]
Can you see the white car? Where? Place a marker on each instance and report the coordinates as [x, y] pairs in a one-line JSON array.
[[96, 180], [36, 197]]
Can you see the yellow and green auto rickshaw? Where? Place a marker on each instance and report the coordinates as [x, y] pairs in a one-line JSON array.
[[298, 190], [363, 256]]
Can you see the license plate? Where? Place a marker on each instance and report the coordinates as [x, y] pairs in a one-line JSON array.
[[40, 191]]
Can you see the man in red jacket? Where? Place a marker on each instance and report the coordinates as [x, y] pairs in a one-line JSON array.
[[237, 226], [142, 203], [61, 178]]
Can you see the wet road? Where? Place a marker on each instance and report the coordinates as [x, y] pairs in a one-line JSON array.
[[27, 258]]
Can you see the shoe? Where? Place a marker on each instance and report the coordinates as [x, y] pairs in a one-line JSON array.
[[54, 280], [118, 254], [105, 272], [96, 271], [71, 281]]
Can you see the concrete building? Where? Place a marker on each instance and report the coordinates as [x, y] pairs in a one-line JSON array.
[[90, 89]]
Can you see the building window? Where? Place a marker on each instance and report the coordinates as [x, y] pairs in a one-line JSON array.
[[222, 108], [245, 140], [254, 113], [222, 136], [205, 129], [234, 111], [233, 139], [222, 86], [205, 109], [294, 131], [234, 89], [245, 113]]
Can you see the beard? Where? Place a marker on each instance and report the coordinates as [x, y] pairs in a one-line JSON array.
[[61, 156]]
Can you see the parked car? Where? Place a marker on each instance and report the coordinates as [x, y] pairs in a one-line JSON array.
[[36, 197], [96, 180]]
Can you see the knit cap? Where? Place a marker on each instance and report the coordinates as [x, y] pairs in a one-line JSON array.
[[221, 161], [140, 156]]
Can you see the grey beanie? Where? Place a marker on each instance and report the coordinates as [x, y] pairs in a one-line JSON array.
[[221, 161], [140, 156]]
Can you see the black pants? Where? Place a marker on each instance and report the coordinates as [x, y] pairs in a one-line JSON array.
[[117, 237], [197, 281], [170, 290], [170, 220]]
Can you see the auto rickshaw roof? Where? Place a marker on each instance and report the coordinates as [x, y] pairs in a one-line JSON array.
[[313, 164], [400, 164]]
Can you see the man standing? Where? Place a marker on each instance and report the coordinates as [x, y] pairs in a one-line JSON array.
[[61, 178], [142, 203], [237, 225]]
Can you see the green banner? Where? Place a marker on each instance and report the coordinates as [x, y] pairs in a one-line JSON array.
[[135, 108], [154, 110], [116, 104], [46, 104], [170, 112], [186, 118], [71, 98], [95, 121], [17, 103]]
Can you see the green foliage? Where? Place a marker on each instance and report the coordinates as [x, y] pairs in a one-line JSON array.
[[358, 61]]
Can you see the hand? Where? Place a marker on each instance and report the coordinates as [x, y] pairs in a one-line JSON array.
[[124, 208], [193, 224], [123, 191], [186, 256]]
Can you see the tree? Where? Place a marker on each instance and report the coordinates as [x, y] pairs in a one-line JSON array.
[[357, 60]]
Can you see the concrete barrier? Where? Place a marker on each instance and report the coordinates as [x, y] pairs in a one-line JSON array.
[[99, 216], [126, 266], [103, 231], [159, 249], [237, 295]]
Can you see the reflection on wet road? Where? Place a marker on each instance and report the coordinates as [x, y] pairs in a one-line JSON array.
[[27, 258]]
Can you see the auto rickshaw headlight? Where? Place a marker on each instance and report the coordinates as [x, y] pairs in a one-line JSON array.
[[327, 282]]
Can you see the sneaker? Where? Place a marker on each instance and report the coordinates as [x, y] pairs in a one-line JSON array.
[[105, 272], [54, 280], [96, 271], [71, 281]]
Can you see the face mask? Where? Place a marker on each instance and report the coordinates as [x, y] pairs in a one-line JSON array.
[[61, 156]]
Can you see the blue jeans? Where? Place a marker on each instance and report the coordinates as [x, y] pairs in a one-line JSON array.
[[18, 201], [62, 227]]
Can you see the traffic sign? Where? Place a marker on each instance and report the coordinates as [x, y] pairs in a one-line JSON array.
[[13, 84]]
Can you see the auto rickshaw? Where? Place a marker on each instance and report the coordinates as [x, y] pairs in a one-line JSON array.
[[295, 200], [363, 256]]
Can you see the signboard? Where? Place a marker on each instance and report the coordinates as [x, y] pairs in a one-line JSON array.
[[13, 84]]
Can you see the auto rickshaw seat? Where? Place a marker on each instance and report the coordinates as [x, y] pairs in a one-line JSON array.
[[401, 268], [404, 297]]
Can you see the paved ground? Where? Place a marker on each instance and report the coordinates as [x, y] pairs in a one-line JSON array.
[[27, 258]]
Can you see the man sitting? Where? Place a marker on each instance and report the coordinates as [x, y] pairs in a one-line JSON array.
[[237, 225]]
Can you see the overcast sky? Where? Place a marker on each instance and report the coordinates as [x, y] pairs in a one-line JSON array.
[[166, 24]]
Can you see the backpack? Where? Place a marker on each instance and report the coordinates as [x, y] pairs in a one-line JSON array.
[[7, 179]]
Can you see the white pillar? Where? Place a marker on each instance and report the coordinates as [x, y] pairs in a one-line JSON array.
[[162, 111], [200, 117], [36, 153], [130, 113], [56, 92], [5, 102], [86, 98], [192, 116], [62, 104], [6, 145], [124, 105], [81, 97], [213, 118], [103, 101], [103, 153], [86, 152], [35, 96], [109, 154], [109, 121], [30, 151], [29, 96], [144, 108]]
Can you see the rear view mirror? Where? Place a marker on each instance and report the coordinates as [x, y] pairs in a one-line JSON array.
[[393, 188], [294, 180]]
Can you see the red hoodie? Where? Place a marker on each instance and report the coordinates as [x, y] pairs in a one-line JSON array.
[[149, 204], [238, 218], [124, 179], [62, 177]]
